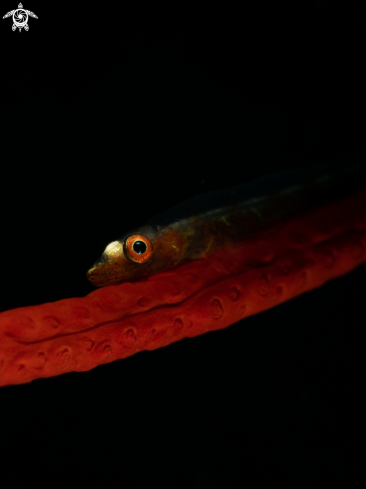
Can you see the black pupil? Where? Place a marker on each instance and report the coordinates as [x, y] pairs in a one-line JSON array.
[[139, 247]]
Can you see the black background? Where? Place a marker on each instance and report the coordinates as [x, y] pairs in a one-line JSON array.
[[112, 113]]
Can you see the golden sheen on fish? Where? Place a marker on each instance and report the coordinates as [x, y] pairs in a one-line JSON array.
[[202, 225]]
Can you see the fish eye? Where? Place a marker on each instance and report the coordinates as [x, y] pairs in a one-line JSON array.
[[138, 248]]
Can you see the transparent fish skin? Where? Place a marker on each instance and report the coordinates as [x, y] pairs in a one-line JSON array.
[[203, 224]]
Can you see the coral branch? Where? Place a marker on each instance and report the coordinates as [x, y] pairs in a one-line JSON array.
[[242, 279]]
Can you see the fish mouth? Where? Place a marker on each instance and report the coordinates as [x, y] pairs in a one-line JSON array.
[[104, 271], [111, 273], [107, 270], [102, 275]]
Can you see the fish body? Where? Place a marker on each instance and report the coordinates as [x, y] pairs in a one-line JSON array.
[[202, 225]]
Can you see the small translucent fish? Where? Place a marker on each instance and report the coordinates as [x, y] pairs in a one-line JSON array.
[[200, 226]]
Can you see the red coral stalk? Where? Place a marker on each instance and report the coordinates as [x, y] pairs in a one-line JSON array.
[[240, 280]]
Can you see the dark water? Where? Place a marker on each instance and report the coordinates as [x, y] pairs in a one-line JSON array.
[[114, 114]]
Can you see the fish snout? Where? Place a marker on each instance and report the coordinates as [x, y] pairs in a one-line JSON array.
[[108, 264]]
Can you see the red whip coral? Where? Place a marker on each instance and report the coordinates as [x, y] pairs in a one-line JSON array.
[[239, 280]]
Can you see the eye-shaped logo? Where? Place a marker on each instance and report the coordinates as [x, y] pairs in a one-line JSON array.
[[20, 17]]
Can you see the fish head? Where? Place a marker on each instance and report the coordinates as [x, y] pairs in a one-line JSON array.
[[137, 255]]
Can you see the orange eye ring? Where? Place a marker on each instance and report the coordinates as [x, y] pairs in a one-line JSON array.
[[138, 248]]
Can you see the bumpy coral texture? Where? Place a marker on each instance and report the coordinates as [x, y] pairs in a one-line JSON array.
[[242, 279]]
